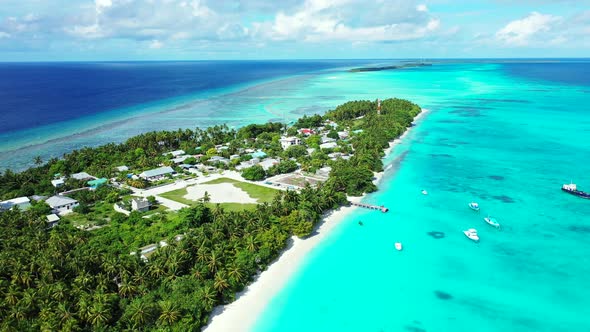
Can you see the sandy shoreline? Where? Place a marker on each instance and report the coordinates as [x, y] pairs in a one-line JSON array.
[[242, 314]]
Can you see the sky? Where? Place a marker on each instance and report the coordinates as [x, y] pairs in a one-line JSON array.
[[111, 30]]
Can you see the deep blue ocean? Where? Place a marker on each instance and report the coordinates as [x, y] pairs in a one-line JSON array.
[[37, 94]]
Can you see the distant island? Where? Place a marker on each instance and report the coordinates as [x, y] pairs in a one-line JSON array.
[[153, 233], [392, 67]]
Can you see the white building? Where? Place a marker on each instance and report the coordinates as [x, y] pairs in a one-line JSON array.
[[22, 203], [52, 220], [122, 168], [179, 159], [175, 153], [268, 163], [157, 173], [343, 134], [330, 145], [57, 182], [82, 176], [140, 204], [61, 204], [286, 142]]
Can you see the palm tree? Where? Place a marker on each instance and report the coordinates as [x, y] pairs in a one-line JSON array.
[[169, 313], [221, 283], [64, 313], [214, 262], [37, 160], [141, 312], [12, 295], [98, 315], [206, 197], [209, 295], [235, 273], [251, 243], [127, 289]]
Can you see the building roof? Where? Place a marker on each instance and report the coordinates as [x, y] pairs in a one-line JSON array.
[[52, 217], [268, 163], [329, 145], [175, 153], [122, 168], [157, 172], [57, 182], [97, 182], [81, 176], [289, 139], [57, 201], [141, 202], [15, 201], [18, 200], [258, 154], [179, 159]]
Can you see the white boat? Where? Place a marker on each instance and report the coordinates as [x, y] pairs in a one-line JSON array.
[[472, 234], [398, 246], [424, 192], [474, 206], [492, 221]]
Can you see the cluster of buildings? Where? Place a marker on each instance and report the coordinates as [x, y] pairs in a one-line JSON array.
[[60, 205]]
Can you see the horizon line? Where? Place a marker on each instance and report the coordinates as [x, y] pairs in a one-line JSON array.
[[424, 59]]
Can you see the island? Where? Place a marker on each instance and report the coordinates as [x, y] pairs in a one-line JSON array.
[[154, 233], [392, 67]]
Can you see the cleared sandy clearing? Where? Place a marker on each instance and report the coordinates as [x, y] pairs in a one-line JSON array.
[[219, 193]]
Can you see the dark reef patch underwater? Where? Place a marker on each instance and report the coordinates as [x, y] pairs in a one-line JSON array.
[[443, 295], [437, 235]]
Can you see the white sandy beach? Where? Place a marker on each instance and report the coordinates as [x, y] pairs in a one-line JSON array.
[[242, 314], [219, 193]]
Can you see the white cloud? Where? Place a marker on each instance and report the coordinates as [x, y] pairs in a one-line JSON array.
[[4, 35], [520, 32], [351, 20], [156, 44]]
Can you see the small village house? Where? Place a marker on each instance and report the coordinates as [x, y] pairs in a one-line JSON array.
[[52, 220], [286, 142], [157, 173], [140, 204], [61, 204], [22, 203]]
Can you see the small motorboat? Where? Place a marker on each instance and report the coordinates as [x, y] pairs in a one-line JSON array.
[[472, 234], [474, 206], [398, 246], [492, 221], [424, 192]]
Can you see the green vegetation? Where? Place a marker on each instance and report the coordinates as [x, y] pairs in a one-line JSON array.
[[254, 173], [68, 279], [178, 196], [72, 280]]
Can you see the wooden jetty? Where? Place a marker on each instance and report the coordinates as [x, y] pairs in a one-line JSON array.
[[372, 207]]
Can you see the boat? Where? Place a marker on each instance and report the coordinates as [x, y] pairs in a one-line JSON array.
[[492, 222], [573, 189], [472, 234], [424, 192], [474, 206], [398, 246]]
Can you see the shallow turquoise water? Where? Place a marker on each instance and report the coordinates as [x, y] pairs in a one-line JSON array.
[[507, 142]]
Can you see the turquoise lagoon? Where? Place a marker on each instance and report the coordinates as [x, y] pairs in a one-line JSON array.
[[504, 140]]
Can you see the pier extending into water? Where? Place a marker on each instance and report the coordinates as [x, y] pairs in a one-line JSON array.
[[372, 207]]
